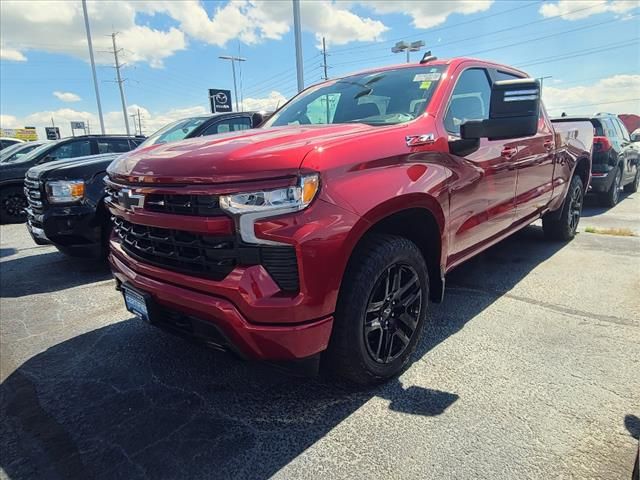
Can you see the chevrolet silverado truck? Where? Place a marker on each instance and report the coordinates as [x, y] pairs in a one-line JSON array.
[[66, 198], [322, 236]]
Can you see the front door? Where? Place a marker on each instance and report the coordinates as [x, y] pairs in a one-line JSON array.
[[483, 205]]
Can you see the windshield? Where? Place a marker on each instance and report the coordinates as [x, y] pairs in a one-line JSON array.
[[381, 98], [174, 131], [17, 157], [15, 152]]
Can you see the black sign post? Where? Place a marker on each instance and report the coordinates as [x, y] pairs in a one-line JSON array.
[[220, 100], [53, 133]]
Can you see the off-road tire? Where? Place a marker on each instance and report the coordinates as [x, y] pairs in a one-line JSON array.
[[563, 227], [12, 204], [611, 197], [633, 186], [348, 356]]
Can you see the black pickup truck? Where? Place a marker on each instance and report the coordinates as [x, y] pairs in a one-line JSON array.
[[66, 198], [12, 171]]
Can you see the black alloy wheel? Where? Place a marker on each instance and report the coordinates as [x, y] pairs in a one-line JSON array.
[[12, 205], [575, 208], [392, 313]]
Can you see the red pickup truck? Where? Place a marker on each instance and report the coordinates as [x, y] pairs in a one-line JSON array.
[[323, 235]]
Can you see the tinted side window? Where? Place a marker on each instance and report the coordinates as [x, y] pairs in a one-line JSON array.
[[469, 100], [624, 133], [505, 76], [599, 130], [113, 145], [609, 129], [72, 149], [231, 125]]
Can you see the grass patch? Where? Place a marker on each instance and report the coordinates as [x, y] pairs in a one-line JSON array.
[[618, 232]]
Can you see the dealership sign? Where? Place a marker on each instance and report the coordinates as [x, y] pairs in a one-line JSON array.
[[53, 133], [27, 134], [220, 100]]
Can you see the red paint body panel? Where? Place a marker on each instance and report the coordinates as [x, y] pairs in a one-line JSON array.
[[367, 173]]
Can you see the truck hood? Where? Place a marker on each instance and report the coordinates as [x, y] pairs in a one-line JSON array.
[[262, 153], [72, 168]]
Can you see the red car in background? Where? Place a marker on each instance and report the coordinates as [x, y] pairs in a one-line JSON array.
[[324, 234]]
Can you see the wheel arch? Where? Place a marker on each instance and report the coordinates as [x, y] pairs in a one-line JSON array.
[[417, 217]]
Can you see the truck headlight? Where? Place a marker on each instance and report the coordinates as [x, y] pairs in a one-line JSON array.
[[65, 191], [249, 207]]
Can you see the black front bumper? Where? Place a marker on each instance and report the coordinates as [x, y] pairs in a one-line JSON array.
[[75, 230]]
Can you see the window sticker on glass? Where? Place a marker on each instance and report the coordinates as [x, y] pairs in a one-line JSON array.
[[424, 77], [425, 85]]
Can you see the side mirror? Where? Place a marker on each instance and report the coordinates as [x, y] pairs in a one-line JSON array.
[[256, 120], [47, 158], [514, 112], [635, 137]]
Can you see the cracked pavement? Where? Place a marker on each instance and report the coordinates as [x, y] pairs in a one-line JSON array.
[[529, 369]]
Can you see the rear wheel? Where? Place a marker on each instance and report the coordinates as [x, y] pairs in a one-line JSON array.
[[381, 311], [565, 226], [611, 197], [12, 205], [633, 186]]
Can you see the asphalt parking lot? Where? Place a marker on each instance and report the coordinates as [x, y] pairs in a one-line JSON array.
[[529, 369]]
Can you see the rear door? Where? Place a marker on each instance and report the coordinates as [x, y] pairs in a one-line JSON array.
[[485, 207], [628, 152], [534, 161]]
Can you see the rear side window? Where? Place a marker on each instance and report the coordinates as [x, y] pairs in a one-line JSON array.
[[79, 148], [469, 100], [597, 126], [609, 129], [113, 145], [230, 125], [506, 76], [624, 133]]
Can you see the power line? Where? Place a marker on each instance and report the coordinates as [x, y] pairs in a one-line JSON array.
[[439, 29]]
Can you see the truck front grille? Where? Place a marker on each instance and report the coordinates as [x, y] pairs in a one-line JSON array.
[[209, 256], [201, 205], [34, 195]]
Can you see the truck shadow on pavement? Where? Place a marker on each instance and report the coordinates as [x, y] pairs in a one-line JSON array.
[[48, 272], [127, 401]]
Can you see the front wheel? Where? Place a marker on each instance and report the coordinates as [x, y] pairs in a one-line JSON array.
[[633, 186], [563, 227], [12, 205], [381, 310]]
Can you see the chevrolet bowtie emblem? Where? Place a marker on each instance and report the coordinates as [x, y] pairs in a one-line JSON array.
[[129, 200]]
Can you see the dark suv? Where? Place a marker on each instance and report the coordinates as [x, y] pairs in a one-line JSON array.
[[12, 174], [615, 159], [66, 198]]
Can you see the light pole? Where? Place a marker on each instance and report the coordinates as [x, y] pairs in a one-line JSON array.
[[297, 30], [408, 47], [233, 70], [93, 64]]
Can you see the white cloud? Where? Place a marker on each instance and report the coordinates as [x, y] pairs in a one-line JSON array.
[[114, 120], [577, 9], [67, 96], [11, 54], [428, 14], [58, 27], [274, 100], [613, 94], [253, 21]]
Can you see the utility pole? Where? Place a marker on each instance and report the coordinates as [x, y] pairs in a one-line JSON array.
[[120, 82], [233, 70], [135, 127], [297, 29], [139, 122], [324, 59], [93, 64], [542, 80]]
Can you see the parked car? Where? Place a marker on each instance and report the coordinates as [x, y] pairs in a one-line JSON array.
[[8, 141], [615, 158], [78, 224], [12, 199], [321, 237], [15, 152]]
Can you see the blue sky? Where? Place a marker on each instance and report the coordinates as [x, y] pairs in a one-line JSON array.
[[590, 49]]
